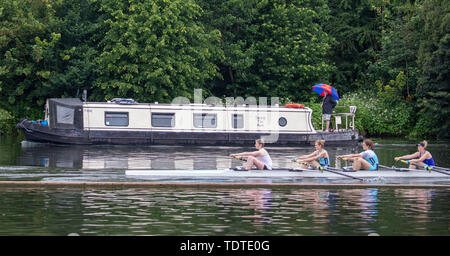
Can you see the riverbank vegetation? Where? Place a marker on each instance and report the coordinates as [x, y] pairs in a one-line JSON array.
[[391, 59]]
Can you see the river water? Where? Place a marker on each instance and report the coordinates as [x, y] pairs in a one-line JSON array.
[[208, 210]]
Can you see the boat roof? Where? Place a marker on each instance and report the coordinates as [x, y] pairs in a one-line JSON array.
[[194, 105], [67, 101]]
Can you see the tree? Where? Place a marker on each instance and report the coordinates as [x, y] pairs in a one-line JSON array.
[[271, 48], [434, 59], [82, 28], [27, 36], [356, 27], [154, 51], [399, 45]]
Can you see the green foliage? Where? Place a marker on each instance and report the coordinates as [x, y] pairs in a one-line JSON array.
[[424, 127], [154, 51], [317, 114], [7, 122], [355, 27], [378, 116], [27, 35], [81, 27], [399, 44], [392, 92], [434, 59], [5, 115], [389, 58], [271, 48]]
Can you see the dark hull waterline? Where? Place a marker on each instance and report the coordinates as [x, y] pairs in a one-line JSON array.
[[41, 133]]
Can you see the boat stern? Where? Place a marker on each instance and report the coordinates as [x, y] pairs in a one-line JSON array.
[[39, 131]]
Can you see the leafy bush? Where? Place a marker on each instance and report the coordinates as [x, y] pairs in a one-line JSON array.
[[7, 123], [424, 127], [378, 116], [316, 115]]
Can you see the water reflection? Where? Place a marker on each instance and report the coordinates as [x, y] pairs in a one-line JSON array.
[[107, 163], [181, 157], [199, 211], [148, 157], [422, 202], [225, 212], [15, 152]]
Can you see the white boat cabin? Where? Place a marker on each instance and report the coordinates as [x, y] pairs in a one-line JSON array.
[[129, 116]]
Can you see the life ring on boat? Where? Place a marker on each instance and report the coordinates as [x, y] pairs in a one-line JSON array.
[[294, 105]]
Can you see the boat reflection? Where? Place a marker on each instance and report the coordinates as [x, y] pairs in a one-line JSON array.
[[200, 212], [422, 201], [144, 157], [313, 211], [123, 157]]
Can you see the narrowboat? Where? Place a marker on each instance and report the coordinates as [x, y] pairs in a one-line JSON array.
[[124, 121]]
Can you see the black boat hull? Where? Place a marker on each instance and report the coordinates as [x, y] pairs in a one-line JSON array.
[[43, 133]]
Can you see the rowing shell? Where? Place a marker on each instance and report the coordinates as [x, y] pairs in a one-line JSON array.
[[285, 173]]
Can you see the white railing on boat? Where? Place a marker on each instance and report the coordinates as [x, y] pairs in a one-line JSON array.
[[338, 118]]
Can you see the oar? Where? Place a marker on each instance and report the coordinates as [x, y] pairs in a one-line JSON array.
[[241, 158], [387, 167], [346, 159], [441, 168], [334, 169], [426, 167], [397, 169], [335, 172], [320, 168]]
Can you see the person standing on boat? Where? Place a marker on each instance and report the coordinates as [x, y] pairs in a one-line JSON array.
[[422, 157], [317, 158], [328, 104], [261, 158], [366, 160]]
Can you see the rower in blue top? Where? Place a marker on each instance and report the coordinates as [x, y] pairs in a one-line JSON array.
[[366, 160], [318, 158], [421, 159]]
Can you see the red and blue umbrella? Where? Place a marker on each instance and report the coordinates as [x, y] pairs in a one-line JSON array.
[[321, 88]]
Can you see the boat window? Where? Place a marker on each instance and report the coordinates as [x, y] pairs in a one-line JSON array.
[[163, 119], [205, 120], [64, 115], [238, 121], [116, 118], [282, 121]]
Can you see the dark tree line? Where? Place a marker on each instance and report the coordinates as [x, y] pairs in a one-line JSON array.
[[155, 50]]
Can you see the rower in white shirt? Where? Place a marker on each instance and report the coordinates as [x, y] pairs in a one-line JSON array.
[[260, 158]]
